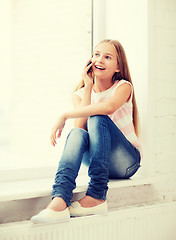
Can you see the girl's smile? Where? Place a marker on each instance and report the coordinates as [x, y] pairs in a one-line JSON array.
[[99, 67]]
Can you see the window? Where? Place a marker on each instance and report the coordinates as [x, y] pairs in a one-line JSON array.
[[47, 44]]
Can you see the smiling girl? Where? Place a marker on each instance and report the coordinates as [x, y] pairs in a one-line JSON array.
[[104, 137]]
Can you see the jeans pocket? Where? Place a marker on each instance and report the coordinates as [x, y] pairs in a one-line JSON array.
[[132, 170]]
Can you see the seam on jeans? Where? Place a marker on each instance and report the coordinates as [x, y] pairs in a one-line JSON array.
[[130, 171]]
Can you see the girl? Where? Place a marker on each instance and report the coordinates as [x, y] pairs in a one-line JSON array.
[[104, 137]]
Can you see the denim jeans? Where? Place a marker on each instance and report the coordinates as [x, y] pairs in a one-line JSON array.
[[106, 152]]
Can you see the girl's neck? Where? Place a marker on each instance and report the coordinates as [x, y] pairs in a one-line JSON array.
[[101, 85]]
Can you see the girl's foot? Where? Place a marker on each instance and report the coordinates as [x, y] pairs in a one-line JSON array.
[[89, 201], [57, 204], [56, 211], [88, 206]]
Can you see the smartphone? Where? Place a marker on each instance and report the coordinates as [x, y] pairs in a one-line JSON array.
[[90, 69]]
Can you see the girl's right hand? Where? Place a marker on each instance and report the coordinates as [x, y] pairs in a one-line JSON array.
[[57, 130], [87, 75]]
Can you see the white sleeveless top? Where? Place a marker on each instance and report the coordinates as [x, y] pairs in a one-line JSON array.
[[123, 116]]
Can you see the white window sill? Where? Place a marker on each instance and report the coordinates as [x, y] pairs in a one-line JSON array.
[[18, 190], [26, 198]]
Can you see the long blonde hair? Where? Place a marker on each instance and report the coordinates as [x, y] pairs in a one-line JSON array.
[[123, 74]]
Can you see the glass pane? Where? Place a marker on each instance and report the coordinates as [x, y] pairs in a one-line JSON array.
[[50, 43]]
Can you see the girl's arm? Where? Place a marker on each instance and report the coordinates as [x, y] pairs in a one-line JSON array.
[[103, 108], [121, 95], [77, 102], [86, 99]]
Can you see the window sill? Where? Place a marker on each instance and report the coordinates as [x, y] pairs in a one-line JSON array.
[[26, 198], [18, 190]]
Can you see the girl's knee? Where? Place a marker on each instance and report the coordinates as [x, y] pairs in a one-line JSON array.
[[77, 133], [97, 119], [96, 122]]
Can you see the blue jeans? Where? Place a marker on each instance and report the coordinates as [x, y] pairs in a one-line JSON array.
[[106, 152]]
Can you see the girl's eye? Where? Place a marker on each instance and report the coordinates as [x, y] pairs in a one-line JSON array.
[[96, 54], [108, 57]]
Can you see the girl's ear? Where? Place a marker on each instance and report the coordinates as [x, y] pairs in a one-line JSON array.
[[118, 70]]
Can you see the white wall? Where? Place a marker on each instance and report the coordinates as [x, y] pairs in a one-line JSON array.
[[162, 94]]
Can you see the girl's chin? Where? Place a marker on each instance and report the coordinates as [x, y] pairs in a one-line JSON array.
[[98, 71], [99, 74]]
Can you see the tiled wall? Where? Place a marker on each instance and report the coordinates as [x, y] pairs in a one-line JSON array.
[[162, 92]]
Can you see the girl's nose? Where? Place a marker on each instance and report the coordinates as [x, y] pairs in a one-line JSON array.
[[100, 58]]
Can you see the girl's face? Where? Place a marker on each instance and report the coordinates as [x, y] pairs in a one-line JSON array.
[[104, 61]]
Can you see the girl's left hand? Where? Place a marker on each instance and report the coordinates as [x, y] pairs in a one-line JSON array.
[[87, 74], [57, 130]]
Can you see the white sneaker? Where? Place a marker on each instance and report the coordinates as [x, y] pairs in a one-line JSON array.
[[77, 211], [51, 216]]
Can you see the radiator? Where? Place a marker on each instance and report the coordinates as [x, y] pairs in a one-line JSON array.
[[155, 222]]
